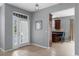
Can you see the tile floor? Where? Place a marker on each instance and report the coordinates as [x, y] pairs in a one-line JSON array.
[[57, 49]]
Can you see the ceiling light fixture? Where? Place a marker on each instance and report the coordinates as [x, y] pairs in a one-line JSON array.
[[36, 7]]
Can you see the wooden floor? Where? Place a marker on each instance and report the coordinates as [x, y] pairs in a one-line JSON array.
[[57, 49]]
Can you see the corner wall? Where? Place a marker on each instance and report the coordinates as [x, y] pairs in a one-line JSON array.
[[41, 37]]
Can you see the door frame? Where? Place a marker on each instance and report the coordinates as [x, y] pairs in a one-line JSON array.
[[50, 30], [71, 31], [28, 28]]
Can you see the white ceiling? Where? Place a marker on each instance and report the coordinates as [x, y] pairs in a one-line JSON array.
[[31, 6], [64, 13]]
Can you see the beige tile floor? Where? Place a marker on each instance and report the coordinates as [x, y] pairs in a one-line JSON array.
[[57, 49]]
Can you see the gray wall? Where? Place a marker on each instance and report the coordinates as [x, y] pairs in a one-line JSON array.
[[2, 27], [77, 29], [41, 37], [8, 23], [65, 24]]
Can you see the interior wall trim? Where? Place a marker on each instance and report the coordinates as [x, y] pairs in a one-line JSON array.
[[39, 45], [6, 50], [27, 45]]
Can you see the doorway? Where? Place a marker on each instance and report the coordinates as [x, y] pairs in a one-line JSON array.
[[61, 26], [21, 31]]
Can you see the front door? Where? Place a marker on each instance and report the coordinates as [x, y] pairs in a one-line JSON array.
[[23, 32], [20, 29]]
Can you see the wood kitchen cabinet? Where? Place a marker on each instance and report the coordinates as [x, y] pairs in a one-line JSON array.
[[57, 24], [57, 36]]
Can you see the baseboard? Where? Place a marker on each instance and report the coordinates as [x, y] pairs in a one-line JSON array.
[[2, 49], [76, 55], [6, 50], [39, 45], [25, 44], [28, 44]]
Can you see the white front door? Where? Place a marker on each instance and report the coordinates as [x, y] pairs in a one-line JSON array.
[[20, 32], [23, 32]]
